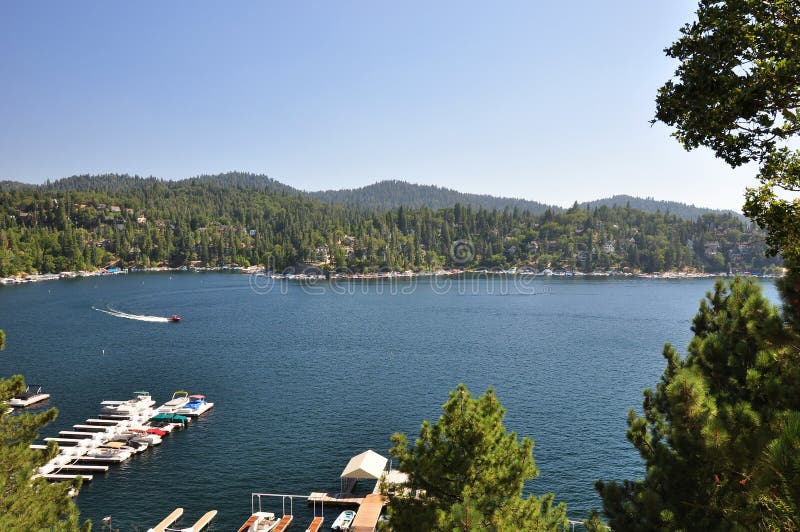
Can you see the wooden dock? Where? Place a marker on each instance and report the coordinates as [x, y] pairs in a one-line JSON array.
[[284, 523], [368, 513], [335, 499], [73, 467], [86, 478], [315, 525], [171, 518]]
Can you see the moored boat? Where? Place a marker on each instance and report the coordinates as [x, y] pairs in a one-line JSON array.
[[111, 451], [260, 522], [344, 520], [196, 406], [179, 399], [33, 394], [141, 401], [168, 422]]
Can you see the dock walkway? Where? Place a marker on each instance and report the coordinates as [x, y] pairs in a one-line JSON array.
[[335, 499], [315, 525], [368, 513], [284, 523]]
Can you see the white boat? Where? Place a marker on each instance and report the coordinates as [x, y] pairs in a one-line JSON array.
[[179, 399], [141, 401], [344, 521], [260, 522], [112, 452], [33, 394], [141, 434], [196, 406], [132, 442]]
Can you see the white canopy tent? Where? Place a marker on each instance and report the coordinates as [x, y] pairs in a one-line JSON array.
[[369, 465]]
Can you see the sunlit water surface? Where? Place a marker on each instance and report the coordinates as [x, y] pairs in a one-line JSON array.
[[304, 377]]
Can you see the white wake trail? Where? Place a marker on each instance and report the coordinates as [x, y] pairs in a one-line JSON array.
[[139, 317]]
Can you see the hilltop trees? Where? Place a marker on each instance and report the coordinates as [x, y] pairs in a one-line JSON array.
[[720, 435], [469, 472], [27, 503]]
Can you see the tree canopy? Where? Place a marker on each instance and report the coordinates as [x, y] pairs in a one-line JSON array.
[[737, 91], [28, 503], [721, 433], [720, 426], [467, 473]]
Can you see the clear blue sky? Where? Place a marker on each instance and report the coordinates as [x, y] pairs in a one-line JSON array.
[[543, 100]]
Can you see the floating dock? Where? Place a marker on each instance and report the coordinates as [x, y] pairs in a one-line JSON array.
[[171, 518], [82, 467], [284, 523], [76, 445], [315, 525], [86, 478]]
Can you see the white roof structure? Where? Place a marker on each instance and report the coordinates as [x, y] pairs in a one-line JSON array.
[[368, 464]]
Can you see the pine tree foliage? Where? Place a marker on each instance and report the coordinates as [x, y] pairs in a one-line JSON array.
[[467, 473], [737, 91], [28, 504], [718, 432]]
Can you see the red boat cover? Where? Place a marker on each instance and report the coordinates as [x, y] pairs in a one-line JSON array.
[[157, 432]]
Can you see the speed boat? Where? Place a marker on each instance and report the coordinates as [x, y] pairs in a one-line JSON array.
[[174, 318], [111, 452], [179, 399], [260, 522], [168, 422], [196, 406], [141, 402], [32, 394], [344, 520]]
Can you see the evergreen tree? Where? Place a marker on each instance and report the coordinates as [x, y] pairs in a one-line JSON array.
[[469, 472], [27, 503], [718, 433]]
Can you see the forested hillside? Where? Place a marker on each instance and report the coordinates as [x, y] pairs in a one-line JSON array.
[[88, 222], [681, 210], [387, 195]]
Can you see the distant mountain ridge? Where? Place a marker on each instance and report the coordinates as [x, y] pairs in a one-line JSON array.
[[681, 210], [391, 194], [380, 196]]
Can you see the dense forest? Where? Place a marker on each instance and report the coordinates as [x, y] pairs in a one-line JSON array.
[[681, 210], [88, 222], [392, 194]]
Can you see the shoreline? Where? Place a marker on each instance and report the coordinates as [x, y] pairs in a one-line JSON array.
[[346, 275]]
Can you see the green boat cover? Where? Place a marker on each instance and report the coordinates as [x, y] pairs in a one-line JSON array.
[[175, 418]]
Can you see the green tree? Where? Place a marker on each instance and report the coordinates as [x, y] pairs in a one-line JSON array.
[[28, 503], [737, 91], [468, 473], [716, 433]]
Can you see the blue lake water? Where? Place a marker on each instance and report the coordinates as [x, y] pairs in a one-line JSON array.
[[304, 377]]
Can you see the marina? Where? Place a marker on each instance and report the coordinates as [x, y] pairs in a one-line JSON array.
[[111, 441]]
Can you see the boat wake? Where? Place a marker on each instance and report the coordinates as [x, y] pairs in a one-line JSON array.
[[139, 317]]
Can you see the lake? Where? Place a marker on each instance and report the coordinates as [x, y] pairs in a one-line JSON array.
[[304, 376]]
